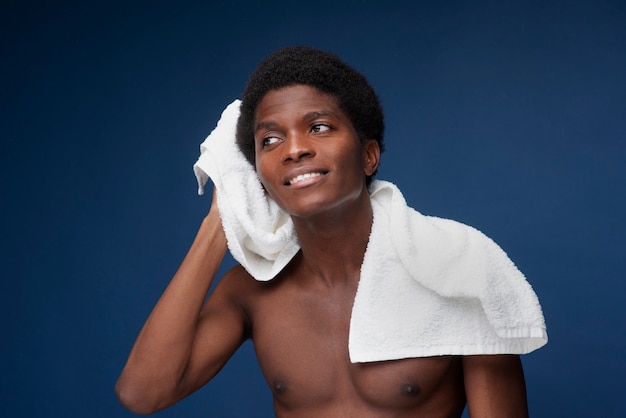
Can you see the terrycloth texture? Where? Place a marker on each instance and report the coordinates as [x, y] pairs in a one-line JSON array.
[[428, 286], [260, 235], [432, 286]]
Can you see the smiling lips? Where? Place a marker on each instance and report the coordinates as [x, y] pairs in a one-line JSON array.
[[303, 177]]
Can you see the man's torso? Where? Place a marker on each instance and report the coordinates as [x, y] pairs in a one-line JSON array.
[[300, 332]]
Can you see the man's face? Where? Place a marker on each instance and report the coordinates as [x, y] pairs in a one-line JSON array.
[[308, 156]]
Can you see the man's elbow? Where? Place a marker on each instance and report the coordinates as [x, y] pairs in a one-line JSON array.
[[133, 398]]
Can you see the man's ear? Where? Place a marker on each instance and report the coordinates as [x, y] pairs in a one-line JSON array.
[[371, 157]]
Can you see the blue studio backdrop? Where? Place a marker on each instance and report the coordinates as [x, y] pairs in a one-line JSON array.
[[505, 115]]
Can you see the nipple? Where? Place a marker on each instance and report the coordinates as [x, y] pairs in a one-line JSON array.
[[280, 386], [409, 389]]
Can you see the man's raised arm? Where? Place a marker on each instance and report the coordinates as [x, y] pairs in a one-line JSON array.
[[182, 345]]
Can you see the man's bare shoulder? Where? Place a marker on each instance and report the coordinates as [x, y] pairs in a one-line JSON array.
[[238, 286], [241, 296], [235, 282], [253, 298]]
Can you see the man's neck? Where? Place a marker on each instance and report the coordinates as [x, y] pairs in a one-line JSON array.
[[333, 244]]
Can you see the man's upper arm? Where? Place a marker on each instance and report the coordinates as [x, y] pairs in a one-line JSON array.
[[495, 387], [222, 328]]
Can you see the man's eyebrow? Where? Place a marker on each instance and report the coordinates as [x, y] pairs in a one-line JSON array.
[[320, 113], [265, 124]]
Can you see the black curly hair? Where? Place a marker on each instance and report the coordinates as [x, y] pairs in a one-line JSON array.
[[323, 71]]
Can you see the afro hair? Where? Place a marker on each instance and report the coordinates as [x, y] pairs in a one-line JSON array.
[[321, 70]]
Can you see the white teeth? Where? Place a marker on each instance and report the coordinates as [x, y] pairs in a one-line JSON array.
[[303, 177]]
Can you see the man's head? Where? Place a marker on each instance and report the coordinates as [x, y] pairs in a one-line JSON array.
[[321, 70]]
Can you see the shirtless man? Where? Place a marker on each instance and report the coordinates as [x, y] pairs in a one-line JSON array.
[[299, 321]]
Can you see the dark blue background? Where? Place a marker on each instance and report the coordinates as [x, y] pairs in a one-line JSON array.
[[508, 116]]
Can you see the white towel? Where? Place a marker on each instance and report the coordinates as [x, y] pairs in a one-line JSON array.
[[260, 235], [431, 286], [428, 286]]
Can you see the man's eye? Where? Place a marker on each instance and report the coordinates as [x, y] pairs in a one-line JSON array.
[[320, 128], [269, 140]]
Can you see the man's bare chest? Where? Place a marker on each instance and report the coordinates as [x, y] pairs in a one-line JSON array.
[[301, 343]]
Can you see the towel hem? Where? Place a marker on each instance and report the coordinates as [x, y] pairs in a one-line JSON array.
[[524, 346]]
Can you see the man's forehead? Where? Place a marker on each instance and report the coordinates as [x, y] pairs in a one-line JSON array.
[[297, 96]]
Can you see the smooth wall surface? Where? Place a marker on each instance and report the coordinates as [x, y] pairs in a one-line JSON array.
[[508, 116]]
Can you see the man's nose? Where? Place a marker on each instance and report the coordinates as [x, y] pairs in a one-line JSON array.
[[298, 146]]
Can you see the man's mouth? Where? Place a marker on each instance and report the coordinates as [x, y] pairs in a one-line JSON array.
[[303, 177]]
